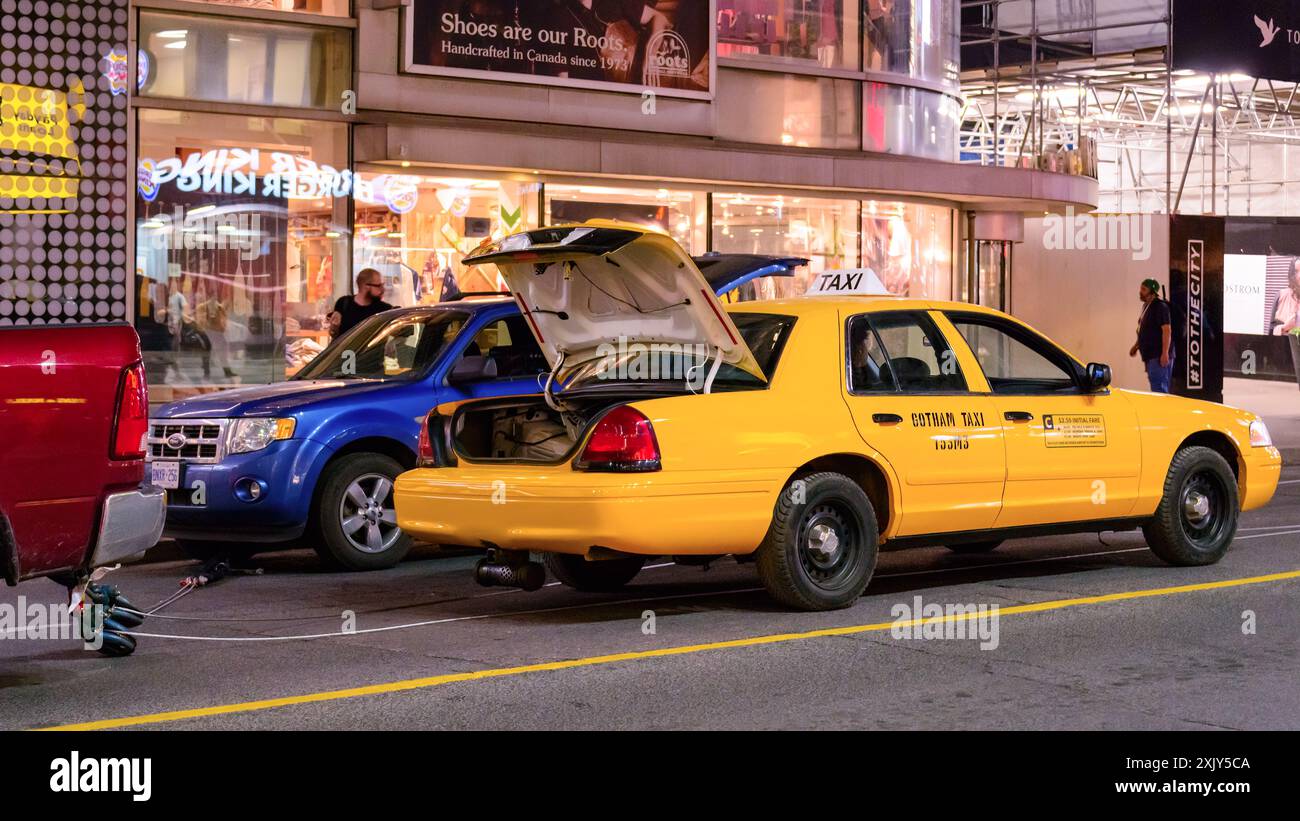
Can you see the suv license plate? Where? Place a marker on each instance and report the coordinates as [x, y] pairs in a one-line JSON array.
[[165, 474]]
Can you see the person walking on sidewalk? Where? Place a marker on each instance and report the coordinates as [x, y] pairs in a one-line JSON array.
[[1155, 337]]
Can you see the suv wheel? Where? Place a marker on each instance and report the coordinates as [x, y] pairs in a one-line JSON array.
[[354, 520]]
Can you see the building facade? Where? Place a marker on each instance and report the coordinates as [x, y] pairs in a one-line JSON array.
[[280, 145]]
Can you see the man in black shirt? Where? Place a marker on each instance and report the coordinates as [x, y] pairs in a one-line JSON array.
[[365, 303], [1155, 337]]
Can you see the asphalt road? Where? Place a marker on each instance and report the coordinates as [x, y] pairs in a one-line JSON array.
[[1162, 648]]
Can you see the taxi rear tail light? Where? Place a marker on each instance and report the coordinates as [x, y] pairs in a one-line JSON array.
[[433, 451], [132, 420], [623, 441], [425, 448]]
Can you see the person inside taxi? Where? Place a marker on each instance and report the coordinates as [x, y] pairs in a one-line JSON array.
[[365, 303], [1155, 337]]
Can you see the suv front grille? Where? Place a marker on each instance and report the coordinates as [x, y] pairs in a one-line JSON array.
[[201, 443]]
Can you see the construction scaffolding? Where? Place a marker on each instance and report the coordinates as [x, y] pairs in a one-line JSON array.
[[1157, 140]]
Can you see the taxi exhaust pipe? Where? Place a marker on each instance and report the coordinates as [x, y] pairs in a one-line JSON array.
[[509, 568]]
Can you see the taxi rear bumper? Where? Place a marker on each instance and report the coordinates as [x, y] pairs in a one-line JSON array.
[[561, 510]]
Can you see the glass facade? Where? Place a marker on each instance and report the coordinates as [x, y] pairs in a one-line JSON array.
[[243, 61], [823, 230], [248, 227], [415, 230], [911, 121], [788, 109], [241, 241], [769, 91], [680, 214], [822, 33], [910, 247], [332, 8], [920, 39]]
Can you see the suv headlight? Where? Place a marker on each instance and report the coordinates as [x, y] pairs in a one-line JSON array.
[[1259, 437], [248, 435]]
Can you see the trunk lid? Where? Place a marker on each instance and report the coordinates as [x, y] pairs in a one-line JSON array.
[[588, 289]]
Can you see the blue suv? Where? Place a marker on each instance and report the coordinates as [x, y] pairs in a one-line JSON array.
[[312, 460]]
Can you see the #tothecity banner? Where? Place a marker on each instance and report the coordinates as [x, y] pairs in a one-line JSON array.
[[616, 45]]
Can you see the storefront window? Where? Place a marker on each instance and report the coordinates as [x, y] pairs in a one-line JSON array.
[[241, 244], [821, 33], [680, 214], [415, 230], [824, 231], [917, 38], [909, 247], [229, 60], [333, 8]]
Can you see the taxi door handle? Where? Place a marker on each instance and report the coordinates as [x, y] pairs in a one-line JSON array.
[[886, 418], [1018, 416]]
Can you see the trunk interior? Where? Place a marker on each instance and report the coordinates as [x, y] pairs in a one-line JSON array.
[[526, 430]]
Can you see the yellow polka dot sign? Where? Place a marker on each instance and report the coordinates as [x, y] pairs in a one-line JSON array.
[[65, 170]]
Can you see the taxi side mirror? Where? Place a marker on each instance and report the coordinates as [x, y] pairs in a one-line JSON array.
[[1098, 376]]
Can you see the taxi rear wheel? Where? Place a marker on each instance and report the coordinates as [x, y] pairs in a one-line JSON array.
[[821, 548], [975, 547], [593, 577], [354, 522], [1196, 520]]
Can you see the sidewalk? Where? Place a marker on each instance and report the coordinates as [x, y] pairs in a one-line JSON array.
[[1277, 402]]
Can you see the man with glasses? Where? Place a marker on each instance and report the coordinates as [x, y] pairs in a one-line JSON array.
[[365, 303]]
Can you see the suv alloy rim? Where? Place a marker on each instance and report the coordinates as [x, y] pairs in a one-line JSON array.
[[366, 514]]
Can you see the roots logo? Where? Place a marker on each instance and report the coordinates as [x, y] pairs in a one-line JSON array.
[[667, 55]]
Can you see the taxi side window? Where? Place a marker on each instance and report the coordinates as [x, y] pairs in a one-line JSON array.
[[1014, 360], [900, 351]]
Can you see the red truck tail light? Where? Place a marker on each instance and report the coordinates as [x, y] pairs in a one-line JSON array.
[[622, 441], [132, 422]]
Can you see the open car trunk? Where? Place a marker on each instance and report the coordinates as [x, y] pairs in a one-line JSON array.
[[527, 430]]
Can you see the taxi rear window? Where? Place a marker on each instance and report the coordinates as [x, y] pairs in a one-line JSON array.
[[764, 334]]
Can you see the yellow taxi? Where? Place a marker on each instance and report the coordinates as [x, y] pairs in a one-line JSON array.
[[804, 435]]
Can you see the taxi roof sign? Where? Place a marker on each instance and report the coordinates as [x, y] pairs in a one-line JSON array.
[[847, 282]]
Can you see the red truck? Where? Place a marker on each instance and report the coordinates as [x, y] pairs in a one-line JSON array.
[[74, 412]]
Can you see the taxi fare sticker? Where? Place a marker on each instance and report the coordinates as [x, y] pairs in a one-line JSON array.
[[1074, 430]]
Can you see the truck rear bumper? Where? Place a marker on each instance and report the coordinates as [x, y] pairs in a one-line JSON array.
[[132, 523]]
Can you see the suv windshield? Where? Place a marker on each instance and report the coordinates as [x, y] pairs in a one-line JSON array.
[[388, 347], [689, 365]]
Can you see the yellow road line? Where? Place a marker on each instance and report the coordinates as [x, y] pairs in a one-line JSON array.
[[756, 641]]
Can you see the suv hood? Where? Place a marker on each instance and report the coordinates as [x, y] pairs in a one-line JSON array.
[[265, 400], [583, 288]]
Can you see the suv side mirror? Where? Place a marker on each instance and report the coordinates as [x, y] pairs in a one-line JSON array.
[[472, 369], [1098, 376]]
